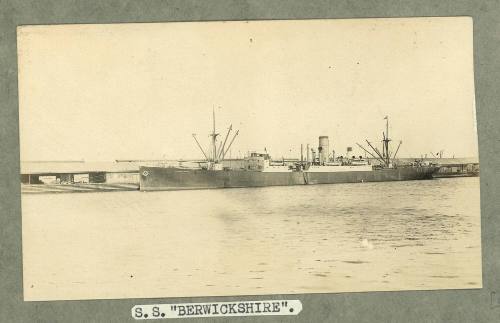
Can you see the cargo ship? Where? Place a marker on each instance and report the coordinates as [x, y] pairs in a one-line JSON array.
[[258, 169]]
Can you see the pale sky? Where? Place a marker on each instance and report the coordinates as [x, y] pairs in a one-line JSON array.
[[138, 91]]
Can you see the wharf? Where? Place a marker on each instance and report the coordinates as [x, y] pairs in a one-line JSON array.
[[76, 188]]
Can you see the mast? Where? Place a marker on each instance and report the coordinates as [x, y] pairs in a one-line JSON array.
[[386, 141], [214, 139], [301, 154], [383, 146], [307, 154], [215, 154]]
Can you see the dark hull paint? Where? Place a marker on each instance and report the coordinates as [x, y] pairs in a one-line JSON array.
[[161, 178]]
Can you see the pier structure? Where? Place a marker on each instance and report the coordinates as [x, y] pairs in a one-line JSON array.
[[78, 176], [457, 170], [69, 172]]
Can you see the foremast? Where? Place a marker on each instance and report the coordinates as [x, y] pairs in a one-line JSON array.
[[216, 152]]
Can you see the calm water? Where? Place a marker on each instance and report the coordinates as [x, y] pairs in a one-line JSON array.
[[324, 238]]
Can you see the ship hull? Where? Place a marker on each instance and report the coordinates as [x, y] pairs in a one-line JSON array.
[[165, 178]]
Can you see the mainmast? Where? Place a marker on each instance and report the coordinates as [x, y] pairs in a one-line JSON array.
[[385, 156], [386, 142]]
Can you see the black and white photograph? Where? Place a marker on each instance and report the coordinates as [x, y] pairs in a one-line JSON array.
[[262, 157]]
